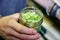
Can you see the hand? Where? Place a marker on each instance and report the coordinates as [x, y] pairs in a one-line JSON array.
[[10, 29]]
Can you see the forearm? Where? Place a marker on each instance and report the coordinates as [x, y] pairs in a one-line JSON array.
[[45, 4]]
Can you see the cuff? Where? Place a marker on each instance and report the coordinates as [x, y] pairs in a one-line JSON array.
[[55, 11]]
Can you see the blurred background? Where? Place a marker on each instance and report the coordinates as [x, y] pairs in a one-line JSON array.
[[50, 29]]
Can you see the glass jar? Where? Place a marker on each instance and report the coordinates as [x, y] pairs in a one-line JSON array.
[[31, 17]]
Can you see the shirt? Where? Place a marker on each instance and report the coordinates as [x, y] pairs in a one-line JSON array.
[[8, 7]]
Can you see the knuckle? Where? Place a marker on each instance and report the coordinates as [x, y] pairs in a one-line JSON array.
[[8, 31]]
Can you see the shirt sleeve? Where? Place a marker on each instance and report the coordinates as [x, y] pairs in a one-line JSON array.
[[8, 7]]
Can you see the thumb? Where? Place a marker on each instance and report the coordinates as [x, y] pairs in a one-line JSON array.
[[15, 16]]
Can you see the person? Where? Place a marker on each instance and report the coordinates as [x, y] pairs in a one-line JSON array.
[[10, 29], [52, 7]]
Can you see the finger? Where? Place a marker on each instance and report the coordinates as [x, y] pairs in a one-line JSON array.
[[12, 38], [37, 39], [22, 36], [28, 31], [10, 34], [29, 37], [20, 28]]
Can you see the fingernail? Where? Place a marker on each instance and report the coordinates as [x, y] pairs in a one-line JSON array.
[[39, 35], [35, 31]]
